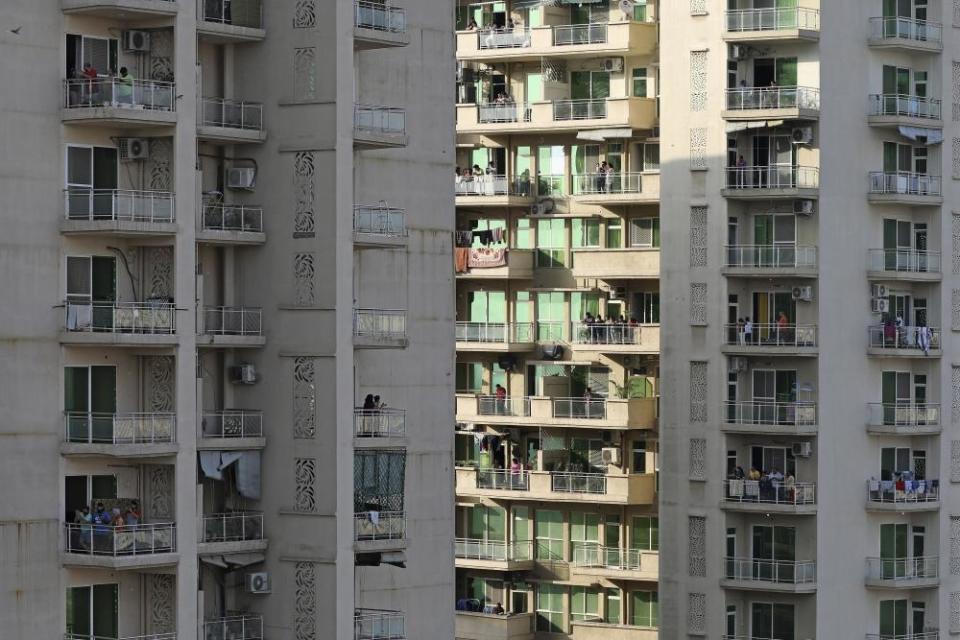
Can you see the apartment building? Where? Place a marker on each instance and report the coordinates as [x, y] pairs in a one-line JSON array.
[[226, 226], [557, 263], [806, 480]]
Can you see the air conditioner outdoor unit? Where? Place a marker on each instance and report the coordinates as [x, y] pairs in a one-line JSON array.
[[243, 374], [258, 582], [542, 207], [136, 41], [612, 64], [552, 352], [610, 455], [803, 207], [241, 178], [878, 290], [802, 135], [738, 364], [880, 305], [618, 293], [738, 52], [134, 149], [804, 294], [802, 449]]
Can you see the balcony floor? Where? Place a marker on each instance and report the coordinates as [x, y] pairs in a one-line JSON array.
[[764, 272], [212, 236], [496, 347], [105, 338], [366, 39], [118, 228], [230, 135], [610, 573], [773, 35], [120, 563], [123, 9], [769, 430], [904, 199], [795, 113], [905, 276], [363, 139], [904, 507], [894, 121], [76, 449], [766, 507], [771, 194], [494, 565], [923, 46], [769, 350], [233, 546], [213, 341], [221, 33], [230, 444], [769, 587], [378, 241], [904, 583], [882, 352], [904, 430], [118, 117]]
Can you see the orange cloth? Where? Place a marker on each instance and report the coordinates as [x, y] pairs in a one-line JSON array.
[[461, 255]]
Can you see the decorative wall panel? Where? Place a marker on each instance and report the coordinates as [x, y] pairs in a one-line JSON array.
[[698, 303], [305, 14], [698, 461], [698, 81], [698, 236], [697, 613], [304, 274], [698, 391], [304, 398], [305, 474], [697, 546], [305, 601], [698, 148], [305, 73], [304, 188]]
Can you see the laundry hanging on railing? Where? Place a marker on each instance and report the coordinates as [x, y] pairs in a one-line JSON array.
[[247, 473], [483, 258], [461, 259]]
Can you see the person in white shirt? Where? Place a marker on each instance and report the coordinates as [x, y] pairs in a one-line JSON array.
[[747, 331]]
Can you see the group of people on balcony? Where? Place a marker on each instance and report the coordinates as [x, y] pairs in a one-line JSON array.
[[596, 330], [88, 88], [603, 178], [103, 523], [761, 485], [897, 335], [373, 405], [782, 332]]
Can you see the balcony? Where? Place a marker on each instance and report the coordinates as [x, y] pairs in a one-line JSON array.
[[231, 224], [121, 212], [378, 531], [569, 41], [906, 33], [379, 226], [377, 127], [891, 341], [482, 263], [616, 188], [903, 573], [622, 489], [771, 181], [495, 336], [633, 413], [374, 328], [903, 265], [230, 121], [230, 21], [595, 629], [493, 555], [616, 264], [232, 327], [474, 625], [130, 324], [119, 103], [918, 635], [379, 428], [903, 187], [769, 417], [131, 9], [148, 636], [141, 546], [241, 626], [233, 532], [771, 340], [615, 338], [769, 496], [769, 103], [378, 624], [767, 24], [377, 25], [770, 260], [231, 430], [121, 435], [903, 495], [756, 574], [614, 563], [559, 115], [903, 419], [892, 110], [493, 190]]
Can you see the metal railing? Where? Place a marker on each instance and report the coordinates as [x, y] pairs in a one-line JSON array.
[[233, 321], [592, 408], [770, 256], [120, 428], [567, 482], [503, 479], [503, 38], [593, 333], [379, 525], [917, 568], [587, 554], [772, 19], [232, 527], [903, 414], [763, 570], [774, 492], [378, 119], [906, 29], [378, 624], [379, 423], [904, 183], [579, 109], [491, 112], [492, 185], [907, 260], [495, 332], [744, 98], [495, 550], [518, 406], [236, 627], [121, 317], [239, 13], [772, 335], [902, 491], [379, 17], [579, 34], [773, 177], [379, 221], [122, 205], [120, 541], [769, 412], [380, 323], [232, 217], [232, 423], [890, 336], [147, 636], [145, 95], [233, 114], [602, 183], [889, 104], [917, 635], [729, 637]]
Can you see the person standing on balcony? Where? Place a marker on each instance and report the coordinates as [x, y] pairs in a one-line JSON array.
[[741, 172], [782, 328], [608, 177], [501, 397], [740, 335], [125, 87], [600, 175], [747, 331]]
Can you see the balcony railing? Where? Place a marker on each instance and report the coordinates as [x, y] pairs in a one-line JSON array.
[[579, 109], [232, 217], [232, 423], [380, 323], [771, 19], [143, 95], [770, 256], [607, 183], [777, 571], [232, 527], [773, 177], [918, 568], [579, 34], [593, 333], [918, 635], [587, 554], [495, 332], [378, 624], [236, 627], [771, 492], [121, 317], [895, 27], [903, 260], [745, 98], [769, 412], [504, 38], [890, 336], [495, 550], [900, 105], [503, 479], [551, 185], [379, 525], [233, 114], [379, 423], [904, 183], [248, 13], [232, 321], [120, 428], [118, 205], [897, 492], [589, 408], [379, 17], [492, 185], [379, 221], [566, 482], [147, 636], [379, 120], [903, 414], [121, 541], [509, 406], [772, 335], [493, 112]]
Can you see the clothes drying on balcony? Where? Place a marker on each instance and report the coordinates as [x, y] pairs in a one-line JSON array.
[[247, 472], [487, 258], [461, 259], [79, 316]]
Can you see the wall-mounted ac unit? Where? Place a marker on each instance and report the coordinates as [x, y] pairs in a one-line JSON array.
[[241, 178], [802, 135], [878, 290], [257, 582], [802, 449], [618, 293], [804, 294], [614, 65], [803, 207], [610, 455], [243, 374], [133, 149], [136, 41], [738, 364], [738, 52], [880, 305]]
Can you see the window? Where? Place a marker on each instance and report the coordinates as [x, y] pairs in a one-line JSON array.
[[584, 603], [584, 530], [613, 606], [893, 618], [640, 11], [90, 400], [649, 308], [640, 82], [550, 315], [91, 180], [589, 85], [521, 532], [549, 533], [550, 607], [645, 533], [469, 377], [644, 608], [551, 248], [645, 232], [614, 233], [487, 523], [638, 450], [651, 156], [92, 611], [100, 53], [585, 232], [524, 238]]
